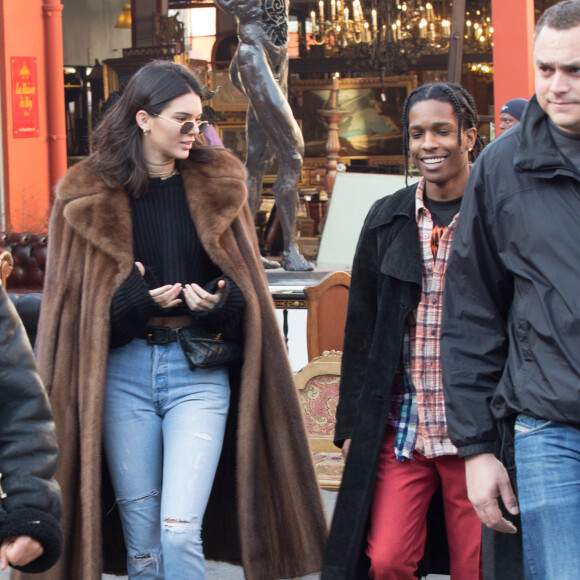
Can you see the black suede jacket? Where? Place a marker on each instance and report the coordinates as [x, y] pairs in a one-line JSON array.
[[31, 503], [511, 322]]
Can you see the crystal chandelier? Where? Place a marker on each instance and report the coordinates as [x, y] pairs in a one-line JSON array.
[[340, 26], [345, 27], [478, 36], [394, 33], [418, 29]]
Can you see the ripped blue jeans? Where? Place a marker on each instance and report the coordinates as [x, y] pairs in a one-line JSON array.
[[163, 429]]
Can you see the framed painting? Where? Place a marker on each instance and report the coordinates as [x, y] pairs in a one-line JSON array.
[[233, 136], [371, 123], [227, 98]]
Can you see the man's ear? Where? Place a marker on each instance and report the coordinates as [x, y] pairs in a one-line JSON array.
[[143, 120], [470, 138]]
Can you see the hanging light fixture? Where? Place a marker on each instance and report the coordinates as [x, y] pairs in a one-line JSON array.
[[124, 20], [419, 29], [478, 31], [390, 34], [385, 34], [339, 25]]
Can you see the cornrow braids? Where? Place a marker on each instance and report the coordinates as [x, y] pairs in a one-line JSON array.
[[461, 101]]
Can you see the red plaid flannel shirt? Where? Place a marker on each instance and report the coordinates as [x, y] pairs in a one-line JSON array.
[[425, 331]]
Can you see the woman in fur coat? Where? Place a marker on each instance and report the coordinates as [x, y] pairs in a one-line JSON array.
[[150, 234]]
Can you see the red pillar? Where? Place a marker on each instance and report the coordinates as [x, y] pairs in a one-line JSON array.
[[52, 10], [513, 25], [25, 157]]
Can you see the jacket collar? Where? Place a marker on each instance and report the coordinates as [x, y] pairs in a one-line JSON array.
[[402, 259], [537, 151], [401, 203], [101, 214]]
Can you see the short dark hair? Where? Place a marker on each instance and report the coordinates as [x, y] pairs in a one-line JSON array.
[[117, 151], [458, 98], [561, 16]]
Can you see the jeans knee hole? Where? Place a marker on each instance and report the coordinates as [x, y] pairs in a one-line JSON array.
[[141, 561], [205, 436], [180, 526], [125, 500]]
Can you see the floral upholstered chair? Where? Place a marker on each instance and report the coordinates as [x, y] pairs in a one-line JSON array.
[[318, 383]]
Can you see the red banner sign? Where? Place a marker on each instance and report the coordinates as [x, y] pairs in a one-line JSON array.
[[25, 96]]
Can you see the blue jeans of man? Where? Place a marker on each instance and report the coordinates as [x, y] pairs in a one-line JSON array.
[[548, 474], [163, 429]]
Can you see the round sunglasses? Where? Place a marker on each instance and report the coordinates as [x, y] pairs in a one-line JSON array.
[[186, 126]]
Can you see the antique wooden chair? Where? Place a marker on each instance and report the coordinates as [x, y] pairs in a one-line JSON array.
[[326, 303], [318, 383]]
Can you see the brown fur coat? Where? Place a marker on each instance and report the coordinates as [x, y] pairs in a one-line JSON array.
[[265, 508]]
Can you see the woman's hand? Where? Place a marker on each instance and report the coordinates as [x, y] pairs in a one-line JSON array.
[[200, 300], [19, 551], [165, 296]]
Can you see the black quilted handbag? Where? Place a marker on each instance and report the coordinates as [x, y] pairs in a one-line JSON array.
[[204, 349]]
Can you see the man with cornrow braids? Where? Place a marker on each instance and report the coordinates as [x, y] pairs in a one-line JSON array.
[[400, 463]]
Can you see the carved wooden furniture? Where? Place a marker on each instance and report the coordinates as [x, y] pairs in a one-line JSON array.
[[318, 383], [326, 303]]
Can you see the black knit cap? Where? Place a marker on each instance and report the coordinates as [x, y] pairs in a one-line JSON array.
[[515, 108]]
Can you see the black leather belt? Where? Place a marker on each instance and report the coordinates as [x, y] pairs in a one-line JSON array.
[[159, 335]]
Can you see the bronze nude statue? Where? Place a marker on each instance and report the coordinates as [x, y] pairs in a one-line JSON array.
[[259, 69]]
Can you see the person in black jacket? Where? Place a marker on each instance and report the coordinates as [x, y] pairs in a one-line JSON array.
[[511, 113], [30, 502], [391, 413], [511, 328]]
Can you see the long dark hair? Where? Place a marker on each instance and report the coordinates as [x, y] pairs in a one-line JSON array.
[[117, 151], [461, 101]]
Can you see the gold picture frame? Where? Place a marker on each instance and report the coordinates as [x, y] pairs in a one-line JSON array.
[[270, 177]]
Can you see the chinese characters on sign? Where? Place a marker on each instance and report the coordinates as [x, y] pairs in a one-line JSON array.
[[24, 97]]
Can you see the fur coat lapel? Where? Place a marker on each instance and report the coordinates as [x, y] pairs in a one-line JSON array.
[[101, 213]]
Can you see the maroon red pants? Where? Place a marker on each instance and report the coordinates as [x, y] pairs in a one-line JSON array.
[[403, 492]]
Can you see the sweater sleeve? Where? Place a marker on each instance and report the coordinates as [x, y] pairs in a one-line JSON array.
[[131, 308]]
